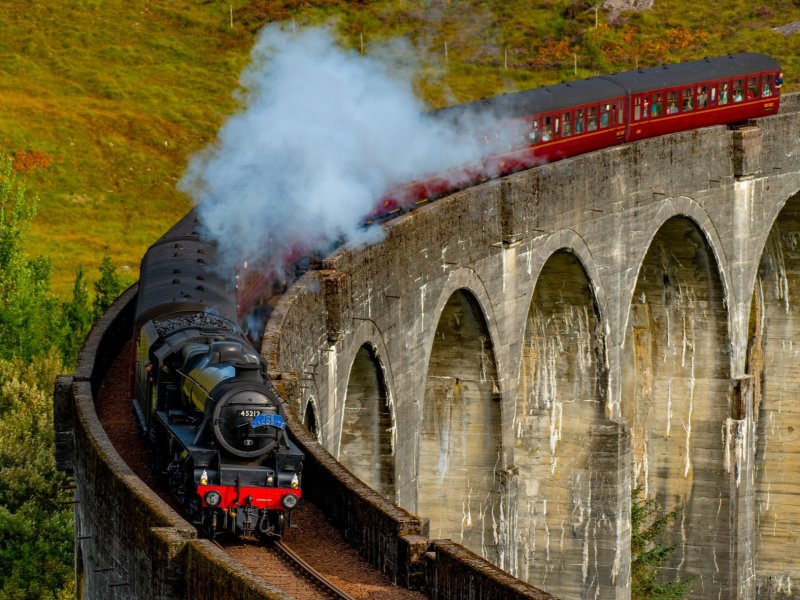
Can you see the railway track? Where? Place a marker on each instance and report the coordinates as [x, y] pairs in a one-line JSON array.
[[329, 588], [298, 568]]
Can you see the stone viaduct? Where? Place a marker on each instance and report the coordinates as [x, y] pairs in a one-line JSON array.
[[506, 365], [510, 360]]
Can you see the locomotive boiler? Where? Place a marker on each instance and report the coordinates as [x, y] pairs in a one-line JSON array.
[[214, 426]]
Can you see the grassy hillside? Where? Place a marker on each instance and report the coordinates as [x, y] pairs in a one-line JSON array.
[[104, 100]]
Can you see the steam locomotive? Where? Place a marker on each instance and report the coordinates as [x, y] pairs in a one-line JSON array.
[[213, 424]]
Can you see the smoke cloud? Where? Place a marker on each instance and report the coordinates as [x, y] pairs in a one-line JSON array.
[[325, 132]]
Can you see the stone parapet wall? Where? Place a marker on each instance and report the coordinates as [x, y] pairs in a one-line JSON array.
[[130, 544]]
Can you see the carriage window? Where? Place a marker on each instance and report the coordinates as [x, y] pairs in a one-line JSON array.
[[547, 130], [621, 115], [637, 109], [604, 116], [713, 95], [672, 102], [592, 120], [752, 88], [535, 135], [766, 86], [688, 101], [702, 96], [738, 90], [657, 105], [724, 94], [566, 125], [579, 122]]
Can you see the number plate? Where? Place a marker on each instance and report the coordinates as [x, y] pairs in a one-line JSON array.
[[267, 419], [248, 413]]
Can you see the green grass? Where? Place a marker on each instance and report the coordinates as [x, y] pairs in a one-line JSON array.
[[117, 94]]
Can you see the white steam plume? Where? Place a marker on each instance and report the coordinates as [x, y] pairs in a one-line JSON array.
[[325, 133]]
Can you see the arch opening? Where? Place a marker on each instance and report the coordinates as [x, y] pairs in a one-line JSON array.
[[561, 400], [676, 399], [310, 419], [458, 487], [773, 362], [366, 446]]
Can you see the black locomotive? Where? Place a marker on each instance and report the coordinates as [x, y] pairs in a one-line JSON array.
[[213, 424]]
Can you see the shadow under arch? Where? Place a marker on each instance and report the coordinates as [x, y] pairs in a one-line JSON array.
[[556, 510], [460, 443], [366, 445], [773, 363], [310, 419], [676, 397]]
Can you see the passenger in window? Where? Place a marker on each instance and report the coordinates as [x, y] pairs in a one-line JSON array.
[[672, 107], [566, 128], [752, 88], [779, 81], [657, 106], [604, 119], [766, 86], [724, 94], [579, 122], [646, 109], [702, 97], [533, 136], [592, 121], [738, 90], [547, 133]]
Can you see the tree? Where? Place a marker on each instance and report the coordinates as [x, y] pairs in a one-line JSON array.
[[36, 530], [35, 513], [107, 288], [77, 319], [28, 312], [647, 555]]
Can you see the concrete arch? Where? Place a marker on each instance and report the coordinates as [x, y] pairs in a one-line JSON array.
[[681, 206], [677, 397], [561, 403], [467, 279], [565, 240], [366, 445], [459, 435], [568, 240]]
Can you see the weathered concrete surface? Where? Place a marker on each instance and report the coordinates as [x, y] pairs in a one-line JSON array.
[[551, 338]]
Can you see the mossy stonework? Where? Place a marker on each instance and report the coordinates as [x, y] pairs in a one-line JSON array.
[[518, 356]]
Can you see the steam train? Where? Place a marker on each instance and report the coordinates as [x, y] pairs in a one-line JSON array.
[[550, 123], [213, 424]]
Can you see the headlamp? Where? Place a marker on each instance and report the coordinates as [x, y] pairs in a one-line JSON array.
[[289, 501]]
